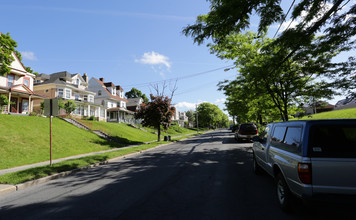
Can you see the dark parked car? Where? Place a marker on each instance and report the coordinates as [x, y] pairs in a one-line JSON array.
[[233, 128], [246, 131]]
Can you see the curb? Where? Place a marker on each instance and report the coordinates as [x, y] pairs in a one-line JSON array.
[[5, 188]]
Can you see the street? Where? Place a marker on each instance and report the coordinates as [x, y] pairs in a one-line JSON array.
[[206, 177]]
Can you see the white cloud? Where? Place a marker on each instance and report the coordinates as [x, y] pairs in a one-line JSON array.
[[222, 100], [28, 55], [153, 58], [185, 105]]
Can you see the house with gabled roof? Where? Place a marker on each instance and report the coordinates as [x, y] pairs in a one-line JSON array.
[[70, 87], [112, 98], [17, 86]]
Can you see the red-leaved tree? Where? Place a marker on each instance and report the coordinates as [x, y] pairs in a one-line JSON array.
[[157, 112]]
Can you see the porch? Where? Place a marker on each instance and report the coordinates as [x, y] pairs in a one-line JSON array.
[[121, 115]]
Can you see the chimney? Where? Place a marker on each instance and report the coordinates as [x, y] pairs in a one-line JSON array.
[[101, 79], [85, 77]]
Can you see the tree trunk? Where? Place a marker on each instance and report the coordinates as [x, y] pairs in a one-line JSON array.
[[159, 133]]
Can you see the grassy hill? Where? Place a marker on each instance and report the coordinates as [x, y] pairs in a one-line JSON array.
[[345, 113], [25, 140], [130, 135]]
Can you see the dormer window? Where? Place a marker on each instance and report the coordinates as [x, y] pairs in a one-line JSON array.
[[10, 80], [78, 82], [99, 93], [26, 82]]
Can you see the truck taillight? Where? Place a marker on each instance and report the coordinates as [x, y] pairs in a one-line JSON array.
[[305, 173]]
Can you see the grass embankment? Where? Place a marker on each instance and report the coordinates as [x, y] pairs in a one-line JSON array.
[[129, 135], [39, 172], [25, 140], [337, 114], [122, 132]]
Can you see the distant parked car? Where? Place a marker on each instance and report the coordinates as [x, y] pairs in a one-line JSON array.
[[246, 131], [311, 159], [233, 128]]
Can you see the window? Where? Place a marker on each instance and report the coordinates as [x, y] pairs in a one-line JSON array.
[[122, 104], [91, 98], [99, 93], [332, 141], [293, 136], [278, 134], [24, 105], [78, 82], [287, 138], [60, 92], [85, 98], [68, 93], [46, 90], [26, 82], [76, 97], [10, 80]]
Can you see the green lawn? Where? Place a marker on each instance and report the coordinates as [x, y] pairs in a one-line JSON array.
[[43, 171], [345, 113], [127, 134], [25, 140]]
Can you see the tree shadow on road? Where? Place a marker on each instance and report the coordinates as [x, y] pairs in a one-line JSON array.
[[192, 179]]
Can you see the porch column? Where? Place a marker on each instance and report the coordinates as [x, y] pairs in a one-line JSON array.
[[89, 111], [8, 106], [29, 105], [105, 116]]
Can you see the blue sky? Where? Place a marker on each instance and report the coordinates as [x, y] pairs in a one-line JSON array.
[[129, 43]]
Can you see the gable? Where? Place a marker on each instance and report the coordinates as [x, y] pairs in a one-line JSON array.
[[21, 88], [17, 65]]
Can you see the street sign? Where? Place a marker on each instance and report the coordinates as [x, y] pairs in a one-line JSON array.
[[51, 107]]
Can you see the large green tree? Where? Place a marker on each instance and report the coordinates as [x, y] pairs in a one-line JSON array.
[[334, 21], [7, 47], [135, 93], [262, 83], [209, 115]]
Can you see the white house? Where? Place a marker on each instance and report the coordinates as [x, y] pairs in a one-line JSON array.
[[113, 99], [18, 87]]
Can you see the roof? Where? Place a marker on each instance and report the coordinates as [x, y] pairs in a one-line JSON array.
[[56, 78], [110, 84]]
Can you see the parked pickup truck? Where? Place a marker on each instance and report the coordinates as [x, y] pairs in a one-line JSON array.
[[311, 159]]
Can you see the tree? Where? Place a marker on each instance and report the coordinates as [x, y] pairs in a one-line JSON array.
[[209, 115], [135, 93], [7, 47], [191, 116], [330, 20], [3, 101], [158, 112], [69, 106]]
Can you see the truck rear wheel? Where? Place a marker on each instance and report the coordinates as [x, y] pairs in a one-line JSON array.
[[284, 196]]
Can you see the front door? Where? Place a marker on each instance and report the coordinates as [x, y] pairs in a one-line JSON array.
[[13, 105]]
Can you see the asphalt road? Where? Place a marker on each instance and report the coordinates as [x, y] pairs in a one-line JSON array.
[[205, 177]]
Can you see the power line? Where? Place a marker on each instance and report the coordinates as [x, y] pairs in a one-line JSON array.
[[285, 18], [177, 78]]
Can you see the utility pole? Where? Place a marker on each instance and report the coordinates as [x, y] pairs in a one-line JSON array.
[[197, 117]]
